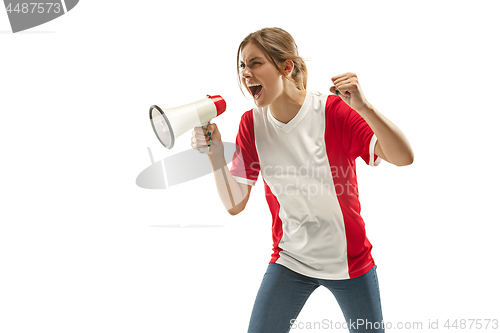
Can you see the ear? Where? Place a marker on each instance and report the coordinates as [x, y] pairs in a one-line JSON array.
[[288, 67]]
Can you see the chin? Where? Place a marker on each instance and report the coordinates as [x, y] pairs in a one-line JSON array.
[[260, 103]]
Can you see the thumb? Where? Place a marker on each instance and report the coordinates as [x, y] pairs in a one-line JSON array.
[[211, 129], [334, 90]]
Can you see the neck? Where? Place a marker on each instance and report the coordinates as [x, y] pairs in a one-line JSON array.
[[286, 106]]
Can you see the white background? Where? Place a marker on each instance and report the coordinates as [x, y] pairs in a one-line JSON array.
[[84, 249]]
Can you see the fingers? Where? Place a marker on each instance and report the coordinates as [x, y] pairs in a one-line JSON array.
[[344, 84], [344, 89], [199, 131], [342, 81], [336, 77], [348, 78], [212, 128], [336, 91], [198, 143], [343, 77], [204, 137]]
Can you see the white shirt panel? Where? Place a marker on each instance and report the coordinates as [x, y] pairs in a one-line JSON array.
[[298, 173]]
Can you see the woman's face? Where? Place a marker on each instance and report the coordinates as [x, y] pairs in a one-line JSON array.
[[259, 75]]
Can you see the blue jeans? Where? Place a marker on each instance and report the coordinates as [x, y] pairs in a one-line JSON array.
[[283, 293]]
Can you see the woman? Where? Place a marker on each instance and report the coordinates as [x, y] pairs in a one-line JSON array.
[[305, 144]]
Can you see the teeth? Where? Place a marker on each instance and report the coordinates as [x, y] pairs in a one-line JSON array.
[[255, 96], [253, 85]]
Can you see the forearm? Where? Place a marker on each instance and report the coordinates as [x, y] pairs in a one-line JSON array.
[[392, 141], [229, 190]]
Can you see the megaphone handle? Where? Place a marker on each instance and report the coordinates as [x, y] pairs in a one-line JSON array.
[[204, 150]]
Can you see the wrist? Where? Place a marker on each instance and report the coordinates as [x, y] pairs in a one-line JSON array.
[[366, 109], [216, 156], [216, 148]]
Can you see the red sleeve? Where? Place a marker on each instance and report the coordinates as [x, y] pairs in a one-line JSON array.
[[245, 167], [352, 131]]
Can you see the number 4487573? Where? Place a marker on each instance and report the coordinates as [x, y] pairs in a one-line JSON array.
[[35, 7], [471, 323]]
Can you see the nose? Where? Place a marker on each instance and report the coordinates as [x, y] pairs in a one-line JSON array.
[[246, 73]]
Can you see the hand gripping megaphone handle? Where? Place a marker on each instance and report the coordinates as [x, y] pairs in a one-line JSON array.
[[204, 150]]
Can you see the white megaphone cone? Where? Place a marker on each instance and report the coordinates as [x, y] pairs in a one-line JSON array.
[[172, 123]]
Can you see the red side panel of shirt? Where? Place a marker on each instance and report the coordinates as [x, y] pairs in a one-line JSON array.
[[245, 160], [347, 136]]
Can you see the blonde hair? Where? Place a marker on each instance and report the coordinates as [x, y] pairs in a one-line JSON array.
[[279, 45]]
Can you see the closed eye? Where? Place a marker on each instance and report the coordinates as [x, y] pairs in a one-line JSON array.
[[242, 65]]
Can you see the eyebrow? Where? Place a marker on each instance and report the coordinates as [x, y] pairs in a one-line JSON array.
[[251, 59]]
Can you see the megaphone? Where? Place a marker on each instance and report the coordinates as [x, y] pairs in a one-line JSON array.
[[172, 123]]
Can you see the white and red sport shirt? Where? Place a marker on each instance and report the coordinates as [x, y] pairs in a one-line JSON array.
[[309, 172]]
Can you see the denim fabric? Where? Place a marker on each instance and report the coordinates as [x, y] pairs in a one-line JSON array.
[[283, 293]]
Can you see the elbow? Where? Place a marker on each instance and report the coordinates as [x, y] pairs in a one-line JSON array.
[[237, 209], [408, 161], [234, 212]]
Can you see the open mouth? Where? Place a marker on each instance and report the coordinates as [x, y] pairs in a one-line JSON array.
[[256, 90]]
